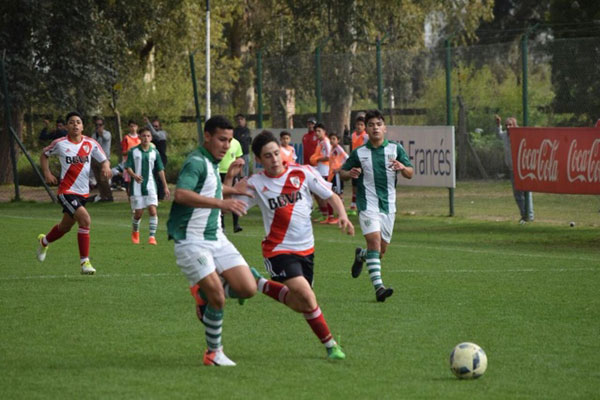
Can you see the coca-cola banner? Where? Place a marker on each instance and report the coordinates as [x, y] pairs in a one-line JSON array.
[[556, 160]]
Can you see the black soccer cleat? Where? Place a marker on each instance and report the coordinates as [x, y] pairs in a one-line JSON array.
[[383, 293], [358, 263]]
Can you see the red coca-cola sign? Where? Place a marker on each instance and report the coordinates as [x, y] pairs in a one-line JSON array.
[[556, 160]]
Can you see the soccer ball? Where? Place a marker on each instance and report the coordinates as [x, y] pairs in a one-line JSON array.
[[468, 361]]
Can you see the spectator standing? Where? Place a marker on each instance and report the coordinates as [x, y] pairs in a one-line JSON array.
[[104, 139], [522, 198], [337, 157], [129, 141], [159, 138], [60, 131], [309, 141], [359, 138], [233, 153], [242, 134], [288, 153], [320, 159]]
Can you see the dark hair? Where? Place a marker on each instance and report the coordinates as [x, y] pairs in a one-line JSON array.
[[333, 134], [360, 118], [320, 125], [373, 114], [143, 129], [60, 121], [131, 122], [261, 140], [216, 122], [284, 133], [239, 115], [73, 114]]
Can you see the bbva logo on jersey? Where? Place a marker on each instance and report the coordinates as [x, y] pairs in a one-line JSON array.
[[284, 199]]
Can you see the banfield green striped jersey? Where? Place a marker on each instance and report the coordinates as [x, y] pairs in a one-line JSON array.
[[142, 163], [376, 185], [199, 173]]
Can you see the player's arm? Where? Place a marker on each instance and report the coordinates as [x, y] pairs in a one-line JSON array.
[[338, 207], [190, 198], [351, 167], [106, 170], [163, 179], [402, 163], [135, 176], [50, 178]]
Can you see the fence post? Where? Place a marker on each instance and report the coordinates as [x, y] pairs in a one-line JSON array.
[[196, 103], [524, 55], [379, 76], [8, 127], [449, 111], [259, 89], [318, 83]]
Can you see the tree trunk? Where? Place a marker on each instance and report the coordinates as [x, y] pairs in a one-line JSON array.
[[6, 168]]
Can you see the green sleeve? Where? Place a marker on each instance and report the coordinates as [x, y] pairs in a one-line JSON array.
[[158, 161], [129, 162], [192, 173], [352, 162], [402, 156]]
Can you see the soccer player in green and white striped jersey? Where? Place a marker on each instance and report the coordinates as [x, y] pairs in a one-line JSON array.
[[375, 166], [202, 250], [142, 189]]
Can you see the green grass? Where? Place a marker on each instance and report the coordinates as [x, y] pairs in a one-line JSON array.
[[527, 294]]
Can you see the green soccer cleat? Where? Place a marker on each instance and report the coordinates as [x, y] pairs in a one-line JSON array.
[[41, 250], [352, 213], [255, 273], [335, 353]]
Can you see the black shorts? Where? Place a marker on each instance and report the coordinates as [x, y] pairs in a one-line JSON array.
[[286, 266], [71, 202]]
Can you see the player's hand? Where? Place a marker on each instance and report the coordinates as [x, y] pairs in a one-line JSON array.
[[145, 119], [236, 167], [396, 165], [167, 193], [237, 207], [107, 173], [346, 226], [355, 172], [138, 178], [242, 188], [51, 179], [498, 120]]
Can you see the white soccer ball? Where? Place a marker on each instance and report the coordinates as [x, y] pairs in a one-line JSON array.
[[468, 361]]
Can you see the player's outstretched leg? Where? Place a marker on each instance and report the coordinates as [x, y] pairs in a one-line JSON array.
[[200, 299], [359, 258], [275, 290], [152, 226]]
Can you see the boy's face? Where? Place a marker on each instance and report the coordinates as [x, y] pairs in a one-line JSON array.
[[146, 138], [99, 125], [241, 121], [320, 133], [218, 143], [334, 141], [133, 129], [376, 129], [360, 126], [74, 125], [285, 140], [310, 126], [270, 158]]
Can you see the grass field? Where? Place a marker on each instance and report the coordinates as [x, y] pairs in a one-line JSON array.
[[528, 294]]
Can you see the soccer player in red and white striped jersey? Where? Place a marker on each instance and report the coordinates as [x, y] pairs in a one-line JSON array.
[[284, 194], [74, 152]]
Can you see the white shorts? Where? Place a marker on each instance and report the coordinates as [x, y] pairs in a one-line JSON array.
[[371, 221], [141, 202], [197, 259]]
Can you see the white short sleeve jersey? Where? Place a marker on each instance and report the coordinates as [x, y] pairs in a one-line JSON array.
[[75, 163], [286, 204], [323, 166]]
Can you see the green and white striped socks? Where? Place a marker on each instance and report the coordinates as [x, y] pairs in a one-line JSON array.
[[373, 260], [213, 322]]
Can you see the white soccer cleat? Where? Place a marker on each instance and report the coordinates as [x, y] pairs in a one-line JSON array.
[[217, 358], [87, 269], [41, 250]]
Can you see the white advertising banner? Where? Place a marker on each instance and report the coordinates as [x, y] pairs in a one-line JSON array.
[[431, 151]]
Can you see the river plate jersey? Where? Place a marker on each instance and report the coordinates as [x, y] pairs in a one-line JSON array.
[[286, 204], [376, 185], [199, 173], [75, 161], [142, 163]]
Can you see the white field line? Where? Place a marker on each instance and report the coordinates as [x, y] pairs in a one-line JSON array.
[[501, 252]]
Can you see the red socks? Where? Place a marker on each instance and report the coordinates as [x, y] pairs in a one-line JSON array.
[[317, 323], [54, 234], [83, 239], [274, 290]]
